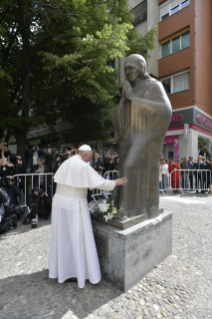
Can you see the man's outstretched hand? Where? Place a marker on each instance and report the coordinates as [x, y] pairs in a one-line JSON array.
[[121, 181]]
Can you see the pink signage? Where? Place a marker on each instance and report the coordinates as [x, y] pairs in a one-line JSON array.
[[204, 120], [176, 118]]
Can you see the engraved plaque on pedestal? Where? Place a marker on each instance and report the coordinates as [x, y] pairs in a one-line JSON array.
[[102, 246]]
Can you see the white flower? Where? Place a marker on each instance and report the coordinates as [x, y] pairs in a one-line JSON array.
[[103, 207], [114, 211], [108, 216]]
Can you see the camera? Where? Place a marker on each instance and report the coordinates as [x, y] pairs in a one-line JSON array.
[[6, 181]]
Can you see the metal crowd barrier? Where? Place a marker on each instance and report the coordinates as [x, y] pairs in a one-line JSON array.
[[186, 180], [32, 180], [110, 175]]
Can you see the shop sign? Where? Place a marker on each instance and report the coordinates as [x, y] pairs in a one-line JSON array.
[[176, 118], [204, 121]]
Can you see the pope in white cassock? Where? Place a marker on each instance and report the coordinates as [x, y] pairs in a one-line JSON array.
[[73, 251]]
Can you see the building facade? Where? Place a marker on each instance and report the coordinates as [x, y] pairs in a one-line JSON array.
[[185, 69]]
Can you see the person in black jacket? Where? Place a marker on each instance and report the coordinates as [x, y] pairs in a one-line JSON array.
[[14, 192], [191, 173], [204, 152], [198, 165], [209, 174], [6, 169], [97, 163], [42, 181], [49, 158]]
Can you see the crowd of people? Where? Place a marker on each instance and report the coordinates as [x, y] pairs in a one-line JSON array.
[[40, 162], [189, 175]]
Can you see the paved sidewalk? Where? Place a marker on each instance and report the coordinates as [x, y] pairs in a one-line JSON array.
[[180, 287]]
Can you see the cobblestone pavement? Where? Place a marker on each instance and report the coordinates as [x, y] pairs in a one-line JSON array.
[[180, 287]]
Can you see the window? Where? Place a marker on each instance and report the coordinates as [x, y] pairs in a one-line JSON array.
[[167, 85], [165, 16], [176, 44], [185, 40], [172, 7], [177, 83], [140, 13], [185, 4], [165, 49], [181, 82], [174, 10]]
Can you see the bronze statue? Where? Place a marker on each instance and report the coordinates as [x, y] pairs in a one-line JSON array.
[[140, 120]]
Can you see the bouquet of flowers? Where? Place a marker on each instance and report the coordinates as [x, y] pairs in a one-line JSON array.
[[105, 208]]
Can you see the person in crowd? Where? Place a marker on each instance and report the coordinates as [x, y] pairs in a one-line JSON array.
[[14, 193], [116, 167], [209, 174], [174, 168], [198, 165], [49, 158], [184, 173], [204, 152], [204, 175], [97, 163], [6, 168], [160, 176], [110, 163], [40, 167], [34, 154], [164, 174], [4, 152], [190, 173], [21, 168]]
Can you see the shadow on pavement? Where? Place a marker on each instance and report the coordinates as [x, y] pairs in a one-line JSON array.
[[36, 296]]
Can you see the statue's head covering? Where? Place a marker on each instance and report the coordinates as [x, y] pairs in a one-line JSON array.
[[138, 62], [85, 148]]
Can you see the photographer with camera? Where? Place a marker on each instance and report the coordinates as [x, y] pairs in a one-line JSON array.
[[40, 167], [40, 206], [13, 191], [34, 154], [6, 169]]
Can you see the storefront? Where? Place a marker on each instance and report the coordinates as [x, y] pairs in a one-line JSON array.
[[184, 140]]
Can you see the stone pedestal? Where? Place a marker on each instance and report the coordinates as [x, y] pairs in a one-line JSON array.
[[126, 256]]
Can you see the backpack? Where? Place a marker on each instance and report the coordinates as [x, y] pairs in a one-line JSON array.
[[5, 225]]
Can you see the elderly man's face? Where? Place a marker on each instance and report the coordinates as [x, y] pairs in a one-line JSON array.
[[40, 164], [96, 156], [190, 159], [131, 73]]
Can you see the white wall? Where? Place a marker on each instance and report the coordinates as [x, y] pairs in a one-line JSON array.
[[153, 18]]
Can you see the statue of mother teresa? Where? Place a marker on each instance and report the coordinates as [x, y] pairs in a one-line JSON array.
[[73, 251]]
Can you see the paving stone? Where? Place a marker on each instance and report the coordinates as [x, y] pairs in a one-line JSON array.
[[179, 288]]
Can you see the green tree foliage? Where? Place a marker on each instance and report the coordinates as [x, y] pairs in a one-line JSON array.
[[55, 58]]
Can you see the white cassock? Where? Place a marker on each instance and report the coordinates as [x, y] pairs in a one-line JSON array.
[[73, 250]]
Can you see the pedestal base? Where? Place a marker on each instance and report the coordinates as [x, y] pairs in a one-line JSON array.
[[128, 255]]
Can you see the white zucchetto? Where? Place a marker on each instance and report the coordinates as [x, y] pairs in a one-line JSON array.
[[85, 148]]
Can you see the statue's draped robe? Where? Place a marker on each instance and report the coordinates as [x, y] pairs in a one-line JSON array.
[[140, 125], [73, 251]]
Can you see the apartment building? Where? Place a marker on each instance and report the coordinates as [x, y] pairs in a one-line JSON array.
[[185, 69]]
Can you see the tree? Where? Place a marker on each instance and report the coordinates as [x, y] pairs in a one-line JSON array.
[[47, 46]]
